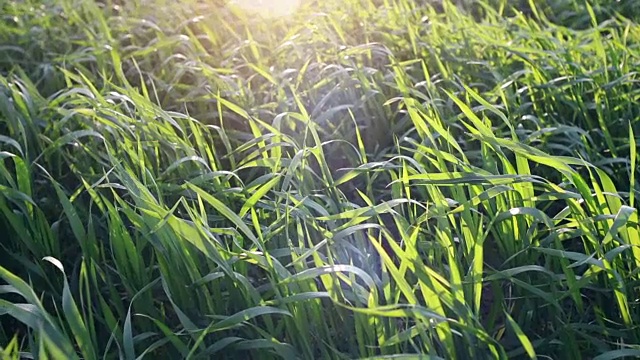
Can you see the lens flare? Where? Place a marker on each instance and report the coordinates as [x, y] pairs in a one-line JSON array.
[[269, 8]]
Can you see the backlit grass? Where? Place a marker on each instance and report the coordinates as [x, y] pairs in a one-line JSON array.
[[358, 179]]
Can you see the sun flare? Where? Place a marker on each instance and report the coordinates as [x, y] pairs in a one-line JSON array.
[[269, 8]]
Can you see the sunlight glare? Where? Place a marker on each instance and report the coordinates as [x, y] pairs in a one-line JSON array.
[[269, 8]]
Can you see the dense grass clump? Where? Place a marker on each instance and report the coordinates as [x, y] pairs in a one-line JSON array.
[[358, 179]]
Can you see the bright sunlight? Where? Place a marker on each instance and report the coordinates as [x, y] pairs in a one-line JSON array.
[[269, 8]]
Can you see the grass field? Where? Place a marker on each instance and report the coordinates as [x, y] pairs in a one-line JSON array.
[[353, 179]]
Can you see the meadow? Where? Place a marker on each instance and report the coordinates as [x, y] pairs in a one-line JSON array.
[[355, 179]]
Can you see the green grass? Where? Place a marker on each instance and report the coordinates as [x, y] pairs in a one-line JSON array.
[[361, 179]]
